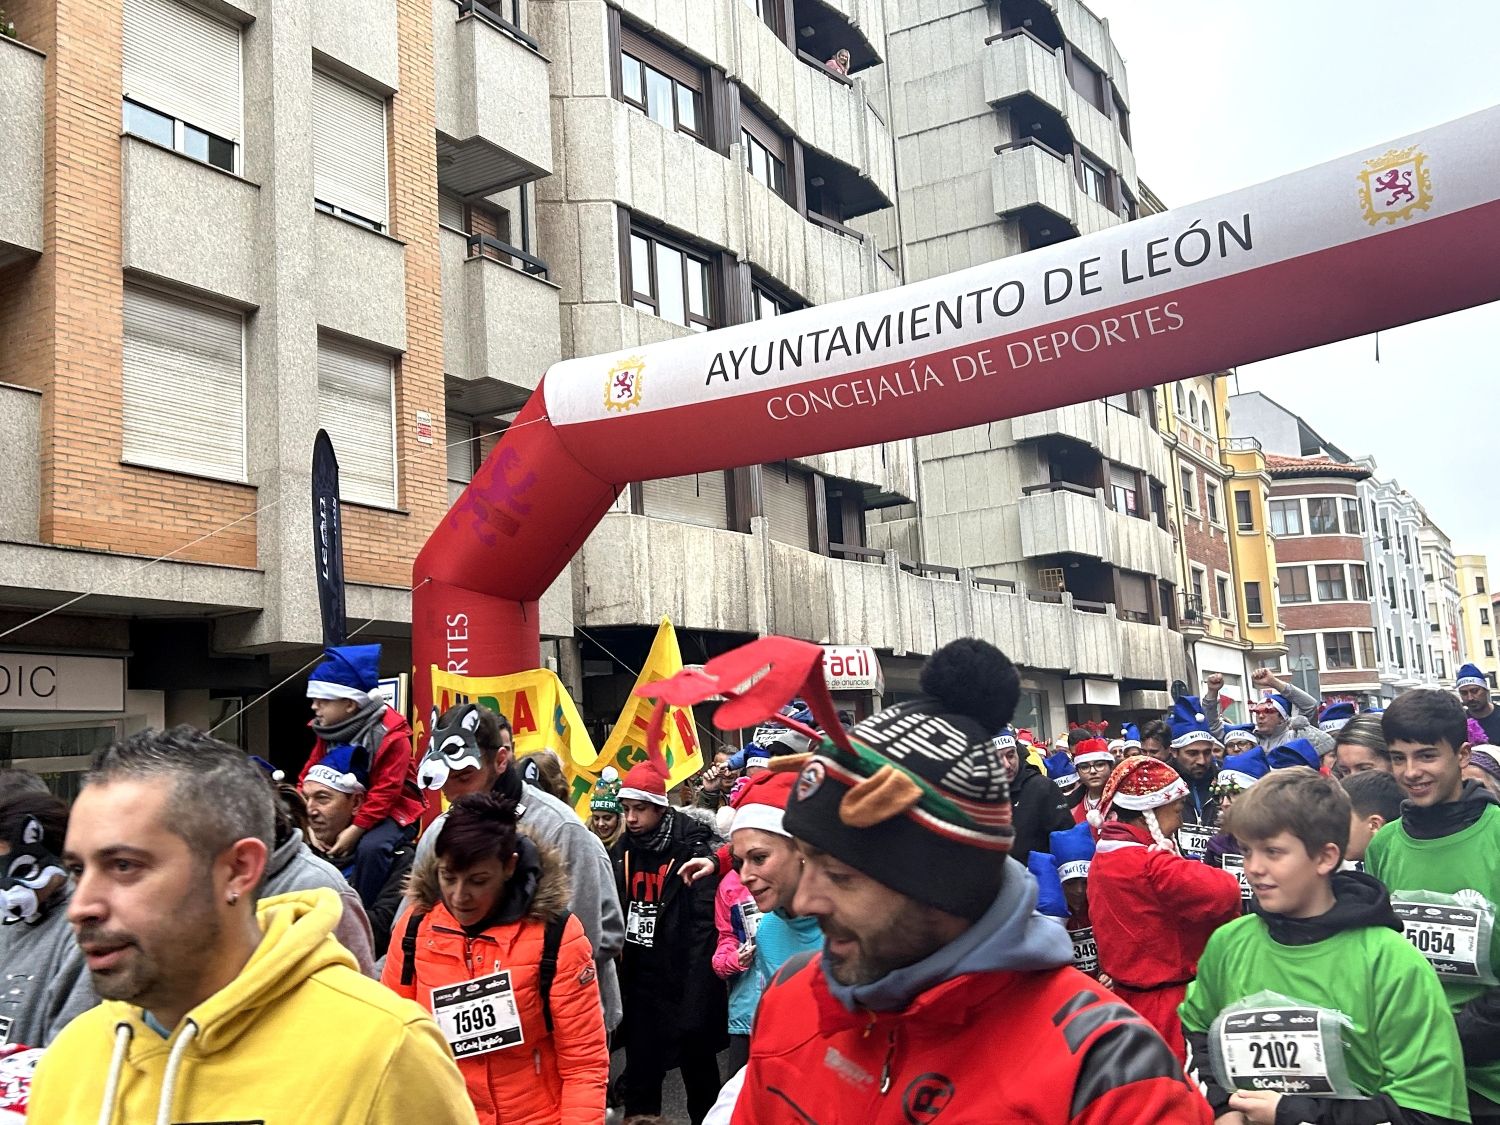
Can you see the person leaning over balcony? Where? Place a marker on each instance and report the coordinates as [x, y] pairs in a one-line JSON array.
[[1284, 714]]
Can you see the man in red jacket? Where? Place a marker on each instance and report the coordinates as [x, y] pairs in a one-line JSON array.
[[349, 711], [941, 995]]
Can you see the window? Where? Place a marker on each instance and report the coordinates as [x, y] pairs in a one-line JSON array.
[[769, 11], [348, 142], [1122, 119], [462, 455], [1391, 648], [1479, 585], [451, 212], [664, 87], [1125, 491], [1254, 614], [1491, 677], [1331, 584], [357, 406], [1244, 510], [182, 80], [669, 281], [1359, 583], [1088, 80], [767, 304], [1390, 592], [1158, 501], [784, 499], [1322, 516], [183, 385], [1291, 585], [1181, 399], [1489, 648], [765, 151], [1301, 651], [1221, 588], [1189, 491], [1128, 210], [1385, 535], [1352, 525], [1366, 650], [1338, 651], [1200, 602], [701, 499], [1286, 517], [1094, 179], [1211, 489], [1484, 617]]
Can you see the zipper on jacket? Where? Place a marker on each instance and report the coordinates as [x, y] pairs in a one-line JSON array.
[[890, 1055], [536, 1060]]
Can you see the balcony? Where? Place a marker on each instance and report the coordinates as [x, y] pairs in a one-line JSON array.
[[1018, 65], [21, 483], [494, 114], [1062, 519], [1120, 436], [502, 324], [21, 134], [834, 115], [1029, 174], [1151, 652]]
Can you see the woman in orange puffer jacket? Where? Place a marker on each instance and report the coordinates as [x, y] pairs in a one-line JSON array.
[[471, 950]]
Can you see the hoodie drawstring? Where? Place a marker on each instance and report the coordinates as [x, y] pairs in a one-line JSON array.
[[169, 1079], [123, 1034]]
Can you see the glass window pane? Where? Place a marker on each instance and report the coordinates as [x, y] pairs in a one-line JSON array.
[[687, 108], [148, 123], [221, 153], [697, 276], [630, 78], [640, 265], [642, 306], [659, 97], [778, 176], [194, 142], [669, 278]]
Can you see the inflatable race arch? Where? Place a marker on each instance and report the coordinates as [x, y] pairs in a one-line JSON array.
[[1396, 234]]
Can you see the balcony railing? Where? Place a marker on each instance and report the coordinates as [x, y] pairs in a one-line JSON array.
[[490, 14], [818, 64], [480, 244], [1240, 444]]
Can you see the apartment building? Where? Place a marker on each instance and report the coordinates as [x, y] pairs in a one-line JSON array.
[[1440, 591], [1253, 549], [1476, 615], [1393, 558]]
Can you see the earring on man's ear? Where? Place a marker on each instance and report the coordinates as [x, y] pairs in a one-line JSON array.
[[234, 897]]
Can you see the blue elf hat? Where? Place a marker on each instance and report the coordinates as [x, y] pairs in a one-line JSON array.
[[1278, 701], [1470, 676], [1297, 752], [1132, 738], [345, 768], [1334, 716], [1050, 899], [1240, 736], [1074, 851], [347, 672], [1189, 723], [1252, 763], [1060, 769]]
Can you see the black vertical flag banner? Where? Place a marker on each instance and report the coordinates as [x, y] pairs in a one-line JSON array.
[[328, 540]]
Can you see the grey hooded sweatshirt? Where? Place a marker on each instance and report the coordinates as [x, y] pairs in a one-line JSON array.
[[294, 867], [43, 981]]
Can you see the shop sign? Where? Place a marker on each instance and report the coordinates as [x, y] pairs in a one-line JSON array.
[[34, 681], [852, 668]]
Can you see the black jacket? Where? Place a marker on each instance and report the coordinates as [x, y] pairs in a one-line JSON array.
[[670, 991], [382, 912], [1038, 809]]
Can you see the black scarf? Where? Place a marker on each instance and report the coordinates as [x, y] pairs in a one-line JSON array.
[[364, 728], [1437, 821], [1359, 900], [658, 839]]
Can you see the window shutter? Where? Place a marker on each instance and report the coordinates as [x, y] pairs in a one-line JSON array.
[[185, 63], [450, 211], [356, 400], [783, 497], [702, 499], [184, 385], [348, 134]]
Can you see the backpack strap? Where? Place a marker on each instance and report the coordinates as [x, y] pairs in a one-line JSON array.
[[409, 947], [551, 946]]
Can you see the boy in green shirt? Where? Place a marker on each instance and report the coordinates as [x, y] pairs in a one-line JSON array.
[[1447, 841], [1360, 1013]]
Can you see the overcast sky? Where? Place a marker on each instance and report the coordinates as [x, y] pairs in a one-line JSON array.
[[1227, 93]]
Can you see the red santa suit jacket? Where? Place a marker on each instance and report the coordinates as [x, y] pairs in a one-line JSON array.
[[1050, 1047], [1153, 912]]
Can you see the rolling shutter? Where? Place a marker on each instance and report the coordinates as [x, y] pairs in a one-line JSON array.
[[356, 405], [702, 499], [348, 134], [451, 211], [183, 385], [783, 496], [185, 63]]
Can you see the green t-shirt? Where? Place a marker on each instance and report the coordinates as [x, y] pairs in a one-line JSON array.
[[1467, 860], [1401, 1042]]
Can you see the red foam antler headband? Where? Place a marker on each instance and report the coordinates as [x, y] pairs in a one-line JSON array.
[[756, 680]]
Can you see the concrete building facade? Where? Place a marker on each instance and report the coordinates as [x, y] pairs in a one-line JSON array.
[[1476, 615]]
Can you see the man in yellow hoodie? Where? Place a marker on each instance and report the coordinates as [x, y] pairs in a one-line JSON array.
[[217, 1010]]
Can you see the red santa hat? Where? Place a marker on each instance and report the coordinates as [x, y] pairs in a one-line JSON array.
[[646, 781], [1092, 750], [1140, 784], [762, 803]]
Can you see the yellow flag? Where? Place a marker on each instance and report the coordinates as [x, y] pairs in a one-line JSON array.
[[626, 744], [541, 713]]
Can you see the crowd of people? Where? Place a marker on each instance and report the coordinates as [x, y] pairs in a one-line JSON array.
[[929, 915]]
